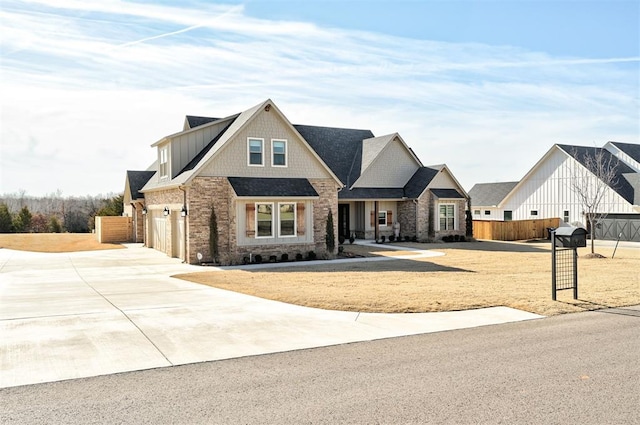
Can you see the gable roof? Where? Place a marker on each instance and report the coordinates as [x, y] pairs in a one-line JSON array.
[[621, 185], [340, 148], [490, 194], [196, 159], [372, 147], [447, 194], [419, 181], [630, 149], [136, 181], [272, 187]]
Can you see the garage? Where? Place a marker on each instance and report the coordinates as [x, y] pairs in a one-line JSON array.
[[625, 226]]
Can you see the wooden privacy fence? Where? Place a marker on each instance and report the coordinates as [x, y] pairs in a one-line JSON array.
[[513, 230], [114, 229]]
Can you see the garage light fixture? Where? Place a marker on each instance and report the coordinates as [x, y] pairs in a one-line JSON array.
[[183, 211], [166, 211], [144, 210]]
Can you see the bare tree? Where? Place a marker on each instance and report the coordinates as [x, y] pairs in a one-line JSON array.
[[596, 174]]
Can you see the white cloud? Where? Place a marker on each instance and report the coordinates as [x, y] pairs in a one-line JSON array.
[[88, 86]]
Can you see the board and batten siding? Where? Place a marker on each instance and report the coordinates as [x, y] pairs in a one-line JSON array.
[[185, 147], [232, 159], [548, 191], [393, 167]]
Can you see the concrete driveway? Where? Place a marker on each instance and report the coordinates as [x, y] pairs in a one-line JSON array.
[[73, 315]]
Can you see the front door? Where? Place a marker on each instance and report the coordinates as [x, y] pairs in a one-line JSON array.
[[343, 220]]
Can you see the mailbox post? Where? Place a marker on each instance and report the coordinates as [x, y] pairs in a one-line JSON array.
[[565, 242]]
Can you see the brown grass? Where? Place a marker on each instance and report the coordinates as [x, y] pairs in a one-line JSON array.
[[53, 242], [470, 275]]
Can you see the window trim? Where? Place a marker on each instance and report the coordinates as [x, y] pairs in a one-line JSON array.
[[163, 162], [295, 220], [476, 212], [455, 216], [273, 153], [385, 218], [255, 139], [257, 221]]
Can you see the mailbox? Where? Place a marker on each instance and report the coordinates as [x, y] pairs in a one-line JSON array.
[[571, 237]]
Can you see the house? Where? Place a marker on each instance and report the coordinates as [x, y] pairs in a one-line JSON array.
[[548, 191], [272, 185]]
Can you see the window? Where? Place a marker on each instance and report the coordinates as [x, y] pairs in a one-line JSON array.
[[287, 220], [534, 212], [164, 162], [487, 212], [279, 153], [255, 151], [476, 212], [447, 217], [508, 215], [264, 220], [382, 218], [566, 216]]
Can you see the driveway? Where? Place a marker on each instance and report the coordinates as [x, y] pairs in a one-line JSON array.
[[73, 315]]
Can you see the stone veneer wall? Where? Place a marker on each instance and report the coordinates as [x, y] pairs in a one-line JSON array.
[[407, 218], [138, 223], [328, 191], [202, 194]]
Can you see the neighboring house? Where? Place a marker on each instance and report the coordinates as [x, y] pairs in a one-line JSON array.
[[546, 191], [272, 185]]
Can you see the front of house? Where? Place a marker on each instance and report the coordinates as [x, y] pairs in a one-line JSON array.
[[272, 185]]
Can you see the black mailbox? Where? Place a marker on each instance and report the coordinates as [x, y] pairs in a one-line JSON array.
[[571, 237]]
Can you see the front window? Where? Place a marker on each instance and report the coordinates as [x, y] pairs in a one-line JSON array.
[[279, 150], [255, 151], [447, 217], [508, 215], [287, 220], [534, 212], [476, 212], [264, 220], [382, 218]]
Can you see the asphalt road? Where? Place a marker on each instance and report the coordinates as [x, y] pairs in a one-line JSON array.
[[573, 369]]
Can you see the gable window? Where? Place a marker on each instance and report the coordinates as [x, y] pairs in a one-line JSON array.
[[279, 153], [287, 220], [164, 162], [256, 150], [264, 220], [447, 217]]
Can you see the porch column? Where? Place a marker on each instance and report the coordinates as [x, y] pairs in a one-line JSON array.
[[376, 220]]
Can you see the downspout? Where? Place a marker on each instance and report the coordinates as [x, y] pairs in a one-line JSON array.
[[186, 218]]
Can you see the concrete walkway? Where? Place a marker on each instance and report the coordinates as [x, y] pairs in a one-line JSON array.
[[74, 315]]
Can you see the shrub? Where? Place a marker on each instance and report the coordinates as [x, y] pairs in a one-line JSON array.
[[456, 238], [284, 257], [257, 259], [462, 238], [298, 256], [383, 238], [392, 238], [407, 238], [340, 249], [273, 258], [340, 239], [414, 239], [245, 260], [352, 238], [330, 237], [311, 255]]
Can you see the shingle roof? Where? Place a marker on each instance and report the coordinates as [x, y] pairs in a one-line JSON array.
[[621, 184], [490, 194], [634, 181], [261, 187], [339, 148], [372, 193], [419, 181], [137, 180], [447, 194], [630, 149], [195, 121]]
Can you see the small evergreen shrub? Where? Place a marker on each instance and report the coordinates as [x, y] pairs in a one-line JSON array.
[[414, 239], [284, 257], [407, 238], [273, 258], [311, 255], [298, 256], [352, 238], [392, 238], [257, 259], [340, 239], [383, 238]]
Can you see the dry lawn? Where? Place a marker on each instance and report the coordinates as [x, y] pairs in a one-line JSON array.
[[470, 275], [53, 242]]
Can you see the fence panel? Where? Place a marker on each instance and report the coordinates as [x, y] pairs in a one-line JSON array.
[[114, 229], [513, 230]]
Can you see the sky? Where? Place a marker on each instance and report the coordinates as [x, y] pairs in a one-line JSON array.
[[486, 86]]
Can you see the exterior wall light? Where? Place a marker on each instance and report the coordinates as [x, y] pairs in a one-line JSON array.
[[183, 211], [166, 211], [144, 210]]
